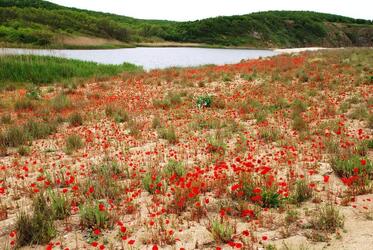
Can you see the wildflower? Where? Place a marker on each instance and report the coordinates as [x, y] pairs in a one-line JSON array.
[[97, 231], [235, 187], [101, 207], [326, 178], [256, 198], [265, 170], [247, 212]]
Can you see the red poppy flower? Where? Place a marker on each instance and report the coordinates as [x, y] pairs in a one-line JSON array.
[[101, 207], [326, 178]]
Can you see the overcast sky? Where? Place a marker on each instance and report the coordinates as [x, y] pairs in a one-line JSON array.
[[182, 10]]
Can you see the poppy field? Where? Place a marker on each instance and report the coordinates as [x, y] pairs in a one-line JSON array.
[[273, 153]]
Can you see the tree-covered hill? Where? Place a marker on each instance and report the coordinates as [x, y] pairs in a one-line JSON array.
[[41, 23]]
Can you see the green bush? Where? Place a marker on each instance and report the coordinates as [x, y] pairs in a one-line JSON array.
[[204, 101]]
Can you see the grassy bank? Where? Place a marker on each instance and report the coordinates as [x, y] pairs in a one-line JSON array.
[[18, 70]]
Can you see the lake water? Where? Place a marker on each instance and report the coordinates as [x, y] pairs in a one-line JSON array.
[[154, 58]]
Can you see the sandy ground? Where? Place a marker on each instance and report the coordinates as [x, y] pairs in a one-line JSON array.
[[298, 50], [106, 140]]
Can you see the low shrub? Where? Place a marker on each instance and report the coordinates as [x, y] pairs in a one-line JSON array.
[[75, 120], [73, 142], [204, 101]]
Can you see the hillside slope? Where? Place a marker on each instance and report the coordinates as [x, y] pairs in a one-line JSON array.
[[40, 23]]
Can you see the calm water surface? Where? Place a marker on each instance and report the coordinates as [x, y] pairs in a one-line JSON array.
[[154, 58]]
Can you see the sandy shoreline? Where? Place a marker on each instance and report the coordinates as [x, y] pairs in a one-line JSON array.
[[298, 50]]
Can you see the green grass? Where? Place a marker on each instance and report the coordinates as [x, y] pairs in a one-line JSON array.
[[346, 167], [20, 69], [327, 218], [73, 143], [37, 228], [222, 231], [168, 134], [92, 217]]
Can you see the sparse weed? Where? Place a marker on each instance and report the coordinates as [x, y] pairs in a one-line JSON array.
[[327, 218], [73, 143], [168, 134], [174, 168], [94, 215], [301, 192], [61, 102], [75, 119], [37, 228], [222, 231]]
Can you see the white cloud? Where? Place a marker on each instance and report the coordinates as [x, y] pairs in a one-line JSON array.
[[181, 10]]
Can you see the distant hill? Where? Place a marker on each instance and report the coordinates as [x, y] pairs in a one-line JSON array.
[[41, 23]]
